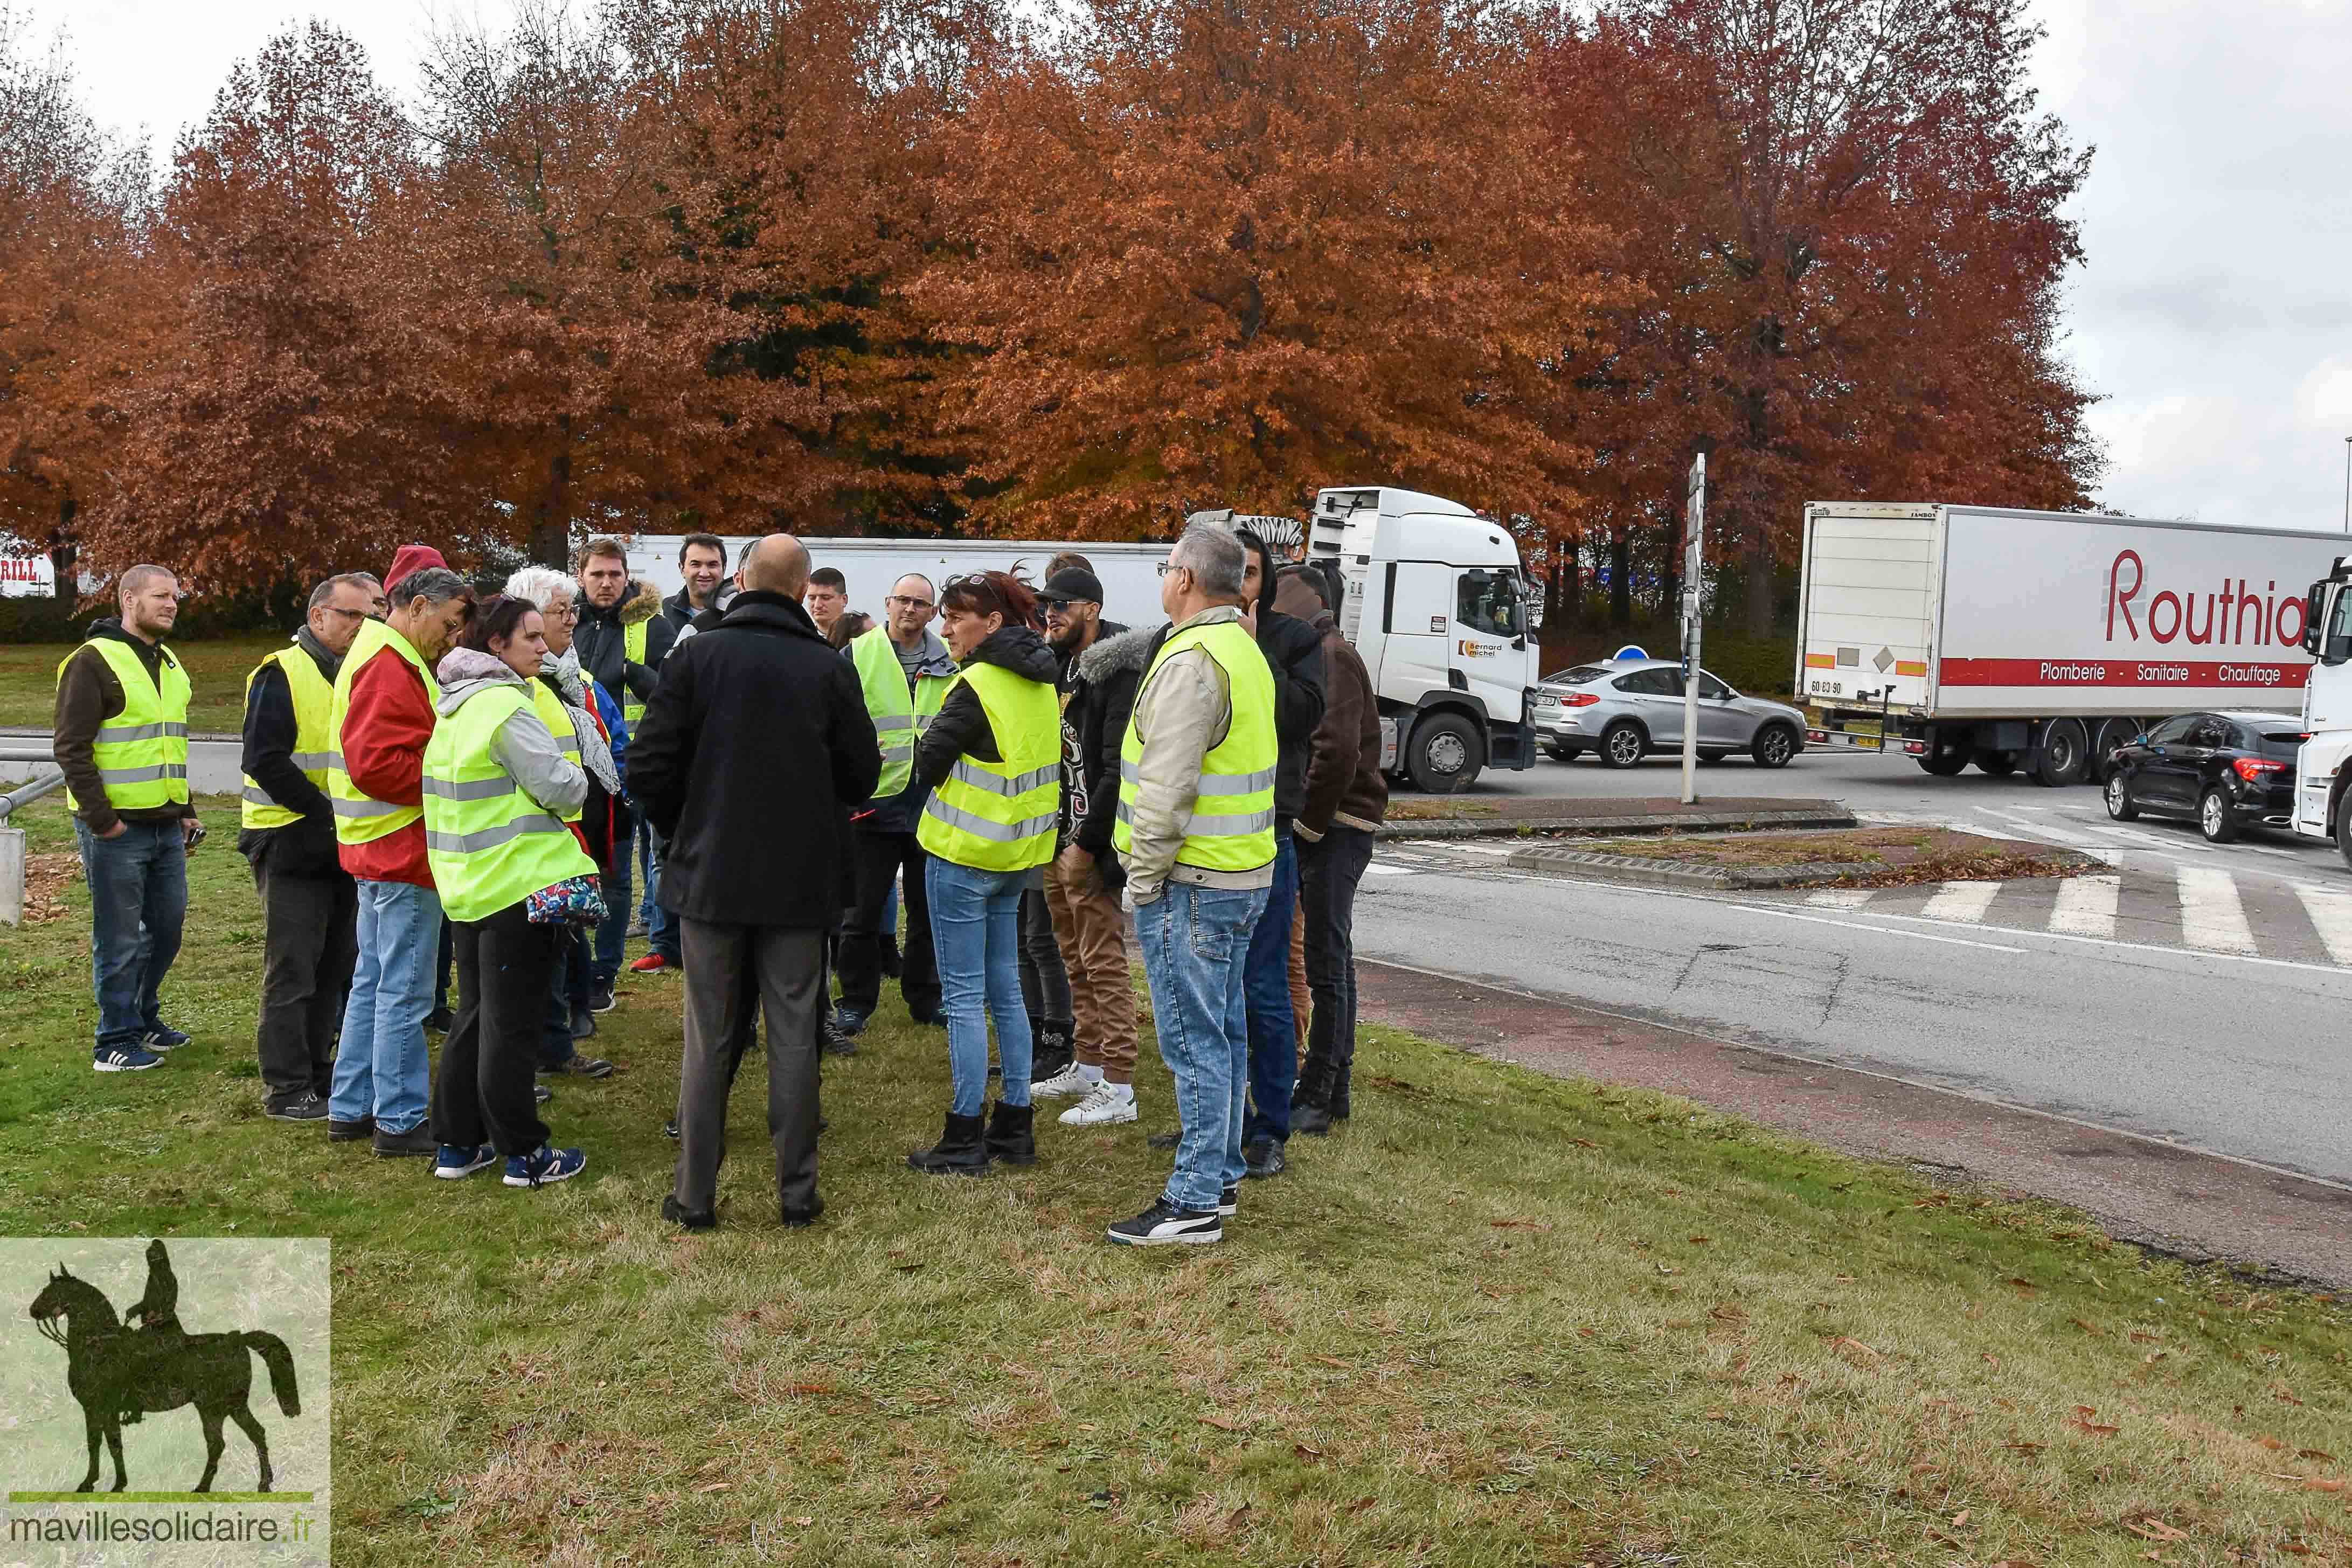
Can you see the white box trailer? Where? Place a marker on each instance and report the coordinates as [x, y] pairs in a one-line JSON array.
[[2037, 639]]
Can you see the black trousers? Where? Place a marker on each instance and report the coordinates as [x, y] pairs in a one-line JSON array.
[[312, 944], [730, 970], [1329, 875], [1045, 978], [483, 1092], [880, 857]]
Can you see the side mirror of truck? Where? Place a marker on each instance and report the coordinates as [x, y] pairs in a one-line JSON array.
[[2315, 614]]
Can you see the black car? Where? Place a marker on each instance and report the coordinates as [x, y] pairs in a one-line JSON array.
[[2226, 770]]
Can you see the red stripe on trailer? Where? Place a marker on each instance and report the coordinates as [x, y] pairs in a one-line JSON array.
[[2255, 675]]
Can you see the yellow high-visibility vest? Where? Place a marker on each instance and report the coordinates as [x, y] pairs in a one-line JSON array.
[[1230, 826], [1001, 815], [359, 818], [314, 702], [141, 753], [548, 705], [900, 717], [490, 844]]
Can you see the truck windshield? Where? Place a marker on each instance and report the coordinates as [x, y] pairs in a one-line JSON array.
[[1489, 602]]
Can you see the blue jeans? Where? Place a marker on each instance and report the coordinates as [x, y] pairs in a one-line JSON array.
[[614, 933], [976, 936], [1195, 943], [1273, 1028], [381, 1067], [555, 1047], [661, 926], [138, 903]]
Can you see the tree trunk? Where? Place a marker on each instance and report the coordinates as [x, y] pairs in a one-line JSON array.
[[1758, 553], [65, 555], [1621, 577], [550, 529]]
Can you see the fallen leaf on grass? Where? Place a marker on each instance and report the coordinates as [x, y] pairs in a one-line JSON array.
[[1584, 1143], [2024, 1288], [2082, 1423], [1701, 1240], [1520, 1224], [1304, 1452], [1846, 1343], [1991, 1360], [2155, 1530], [1333, 1361], [1220, 1423], [2283, 1395], [1718, 1415], [716, 1487], [1728, 1313], [808, 1388], [2087, 1326], [2314, 1454], [2312, 1483], [2274, 1445], [2023, 1447]]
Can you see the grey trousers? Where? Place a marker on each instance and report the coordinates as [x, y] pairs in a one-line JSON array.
[[728, 970]]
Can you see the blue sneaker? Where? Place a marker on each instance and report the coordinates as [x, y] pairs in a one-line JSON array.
[[544, 1165], [460, 1160], [124, 1059], [161, 1038]]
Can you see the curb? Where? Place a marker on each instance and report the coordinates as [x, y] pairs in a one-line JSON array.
[[1611, 827], [1643, 870]]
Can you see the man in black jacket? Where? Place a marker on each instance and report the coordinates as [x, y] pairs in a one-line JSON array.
[[1294, 652], [1082, 885], [757, 730], [623, 637], [310, 903]]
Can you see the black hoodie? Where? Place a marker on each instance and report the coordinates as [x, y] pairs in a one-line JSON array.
[[961, 727]]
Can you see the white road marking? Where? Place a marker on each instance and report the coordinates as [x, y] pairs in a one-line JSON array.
[[1965, 902], [2086, 906], [1377, 869], [1841, 898], [1882, 931], [2331, 916], [2210, 915]]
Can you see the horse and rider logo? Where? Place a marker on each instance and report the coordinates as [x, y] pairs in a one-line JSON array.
[[120, 1375]]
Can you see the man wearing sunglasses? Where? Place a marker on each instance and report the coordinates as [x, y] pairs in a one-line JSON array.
[[904, 670]]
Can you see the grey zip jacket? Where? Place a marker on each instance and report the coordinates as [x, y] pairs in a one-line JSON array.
[[523, 745]]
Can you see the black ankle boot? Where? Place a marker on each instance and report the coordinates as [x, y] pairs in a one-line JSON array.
[[1012, 1135], [1055, 1050], [959, 1152]]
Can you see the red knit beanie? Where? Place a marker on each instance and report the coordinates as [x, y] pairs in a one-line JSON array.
[[411, 558]]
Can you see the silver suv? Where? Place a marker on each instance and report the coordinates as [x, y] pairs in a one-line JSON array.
[[1623, 711]]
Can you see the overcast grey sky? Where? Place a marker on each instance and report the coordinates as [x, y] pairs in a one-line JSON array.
[[2214, 314]]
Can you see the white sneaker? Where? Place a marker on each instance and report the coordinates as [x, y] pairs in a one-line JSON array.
[[1070, 1081], [1108, 1103]]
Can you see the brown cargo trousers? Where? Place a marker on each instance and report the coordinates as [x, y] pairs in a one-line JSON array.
[[1091, 926]]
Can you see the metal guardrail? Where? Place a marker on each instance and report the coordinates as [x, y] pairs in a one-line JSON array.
[[12, 840]]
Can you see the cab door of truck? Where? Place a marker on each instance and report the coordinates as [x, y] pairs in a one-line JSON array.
[[1489, 641], [1414, 621]]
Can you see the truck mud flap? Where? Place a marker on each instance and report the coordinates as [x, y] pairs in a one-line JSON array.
[[1511, 746]]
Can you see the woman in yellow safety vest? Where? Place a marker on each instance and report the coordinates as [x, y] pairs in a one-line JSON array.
[[498, 786], [991, 765]]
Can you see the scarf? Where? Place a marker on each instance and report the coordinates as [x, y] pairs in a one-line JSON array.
[[595, 751]]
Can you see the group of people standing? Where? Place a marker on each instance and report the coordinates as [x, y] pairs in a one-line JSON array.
[[1020, 783]]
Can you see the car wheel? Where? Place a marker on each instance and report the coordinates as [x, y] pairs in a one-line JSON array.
[[2213, 818], [2000, 765], [2119, 800], [1445, 754], [1775, 744], [1713, 756], [1622, 744], [1561, 753]]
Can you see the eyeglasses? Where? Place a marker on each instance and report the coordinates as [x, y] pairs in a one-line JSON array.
[[338, 610], [904, 602], [1168, 566]]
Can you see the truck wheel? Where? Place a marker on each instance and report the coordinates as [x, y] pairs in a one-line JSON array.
[[2213, 818], [2064, 756], [2000, 765], [1445, 754], [1944, 763], [2344, 827], [1622, 744], [1775, 744], [2119, 800], [2110, 734]]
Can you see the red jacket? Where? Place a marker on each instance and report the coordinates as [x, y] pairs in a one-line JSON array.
[[385, 729]]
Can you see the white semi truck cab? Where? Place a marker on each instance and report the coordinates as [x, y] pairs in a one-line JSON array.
[[1437, 604], [2323, 765]]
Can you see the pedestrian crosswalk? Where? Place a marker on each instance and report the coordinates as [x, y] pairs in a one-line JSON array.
[[2205, 909]]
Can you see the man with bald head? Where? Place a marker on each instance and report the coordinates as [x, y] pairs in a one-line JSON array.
[[754, 747]]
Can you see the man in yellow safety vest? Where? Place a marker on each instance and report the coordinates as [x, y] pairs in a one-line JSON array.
[[310, 903], [1195, 832], [904, 671], [121, 737]]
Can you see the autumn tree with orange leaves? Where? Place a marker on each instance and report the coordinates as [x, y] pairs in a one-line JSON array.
[[1844, 220], [1222, 252]]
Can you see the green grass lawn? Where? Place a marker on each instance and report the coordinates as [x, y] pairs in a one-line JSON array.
[[1499, 1319], [218, 668]]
